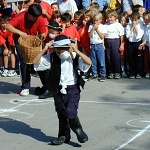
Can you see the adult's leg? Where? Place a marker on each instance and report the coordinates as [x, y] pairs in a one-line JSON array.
[[25, 69]]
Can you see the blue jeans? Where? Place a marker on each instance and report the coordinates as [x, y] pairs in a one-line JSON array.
[[98, 59]]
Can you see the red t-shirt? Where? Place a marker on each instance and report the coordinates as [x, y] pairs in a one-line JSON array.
[[7, 35], [20, 22], [47, 7], [84, 39], [2, 40], [71, 32]]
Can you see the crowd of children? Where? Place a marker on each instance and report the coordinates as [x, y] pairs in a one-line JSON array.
[[117, 42]]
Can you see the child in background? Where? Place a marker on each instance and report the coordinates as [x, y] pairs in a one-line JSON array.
[[146, 43], [2, 46], [55, 6], [57, 17], [67, 28], [19, 9], [54, 30], [124, 20], [78, 18], [9, 49], [113, 44], [94, 9], [97, 33], [134, 34], [83, 33], [84, 43], [140, 10]]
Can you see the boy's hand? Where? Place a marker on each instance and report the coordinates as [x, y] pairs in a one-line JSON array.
[[95, 27], [84, 22], [73, 47], [140, 47], [44, 12], [5, 52], [49, 44], [121, 48]]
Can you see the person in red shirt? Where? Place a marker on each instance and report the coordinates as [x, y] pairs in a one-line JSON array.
[[46, 11], [8, 49], [2, 44], [84, 37], [67, 28], [29, 22]]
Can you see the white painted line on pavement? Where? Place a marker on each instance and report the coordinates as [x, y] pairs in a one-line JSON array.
[[136, 136], [12, 109]]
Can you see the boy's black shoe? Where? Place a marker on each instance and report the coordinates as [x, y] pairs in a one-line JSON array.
[[101, 79], [58, 141], [77, 129], [38, 90], [46, 94], [93, 77]]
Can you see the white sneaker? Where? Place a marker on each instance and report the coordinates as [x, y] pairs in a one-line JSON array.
[[5, 73], [1, 72], [147, 75], [11, 73], [24, 92]]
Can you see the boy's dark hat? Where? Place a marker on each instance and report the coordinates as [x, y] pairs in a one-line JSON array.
[[62, 41], [54, 25]]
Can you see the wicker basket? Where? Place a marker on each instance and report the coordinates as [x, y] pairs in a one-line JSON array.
[[30, 47]]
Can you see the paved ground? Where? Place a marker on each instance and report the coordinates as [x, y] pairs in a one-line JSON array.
[[115, 115]]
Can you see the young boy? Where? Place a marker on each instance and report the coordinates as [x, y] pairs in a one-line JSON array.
[[67, 28], [113, 44], [54, 30], [8, 49], [64, 81], [134, 34], [97, 33], [146, 43]]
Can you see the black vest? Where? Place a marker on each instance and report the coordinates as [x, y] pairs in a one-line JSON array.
[[53, 80]]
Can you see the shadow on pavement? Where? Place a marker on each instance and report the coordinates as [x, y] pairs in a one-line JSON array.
[[17, 127]]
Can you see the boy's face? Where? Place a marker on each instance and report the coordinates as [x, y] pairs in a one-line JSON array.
[[77, 20], [123, 21], [53, 33], [55, 8], [87, 18], [59, 51], [97, 21], [146, 20], [58, 20], [67, 23], [141, 11], [135, 21], [111, 19]]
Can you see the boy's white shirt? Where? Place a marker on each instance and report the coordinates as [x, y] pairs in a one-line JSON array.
[[68, 5], [133, 37], [67, 76], [114, 30], [147, 35], [96, 39], [44, 63]]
